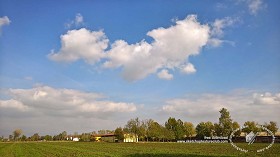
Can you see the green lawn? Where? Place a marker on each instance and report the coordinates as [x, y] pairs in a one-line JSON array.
[[127, 149]]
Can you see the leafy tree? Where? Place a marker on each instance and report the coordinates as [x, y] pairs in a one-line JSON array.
[[189, 129], [154, 131], [17, 133], [143, 130], [56, 137], [163, 134], [133, 126], [63, 135], [179, 131], [200, 130], [93, 133], [35, 137], [126, 130], [102, 132], [168, 134], [251, 126], [225, 122], [76, 134], [176, 126], [204, 129], [119, 133], [48, 138], [272, 126], [23, 138], [235, 126], [171, 124], [217, 129], [85, 137]]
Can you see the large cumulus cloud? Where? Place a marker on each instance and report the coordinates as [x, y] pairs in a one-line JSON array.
[[46, 100], [243, 106], [169, 50]]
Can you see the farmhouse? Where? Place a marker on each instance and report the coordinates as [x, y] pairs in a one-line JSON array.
[[76, 139], [130, 138], [113, 138]]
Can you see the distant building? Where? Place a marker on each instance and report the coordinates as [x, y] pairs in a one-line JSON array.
[[105, 137], [76, 139], [130, 138]]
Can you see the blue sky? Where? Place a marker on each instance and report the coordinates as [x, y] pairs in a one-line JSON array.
[[151, 59]]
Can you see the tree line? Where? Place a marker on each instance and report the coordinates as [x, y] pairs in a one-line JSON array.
[[150, 130], [175, 129]]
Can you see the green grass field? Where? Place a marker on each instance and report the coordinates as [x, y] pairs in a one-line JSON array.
[[126, 149]]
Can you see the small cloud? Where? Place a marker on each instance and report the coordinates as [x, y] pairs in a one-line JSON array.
[[4, 21], [188, 69], [164, 74], [214, 42], [217, 31], [220, 24], [28, 78], [220, 6], [175, 19], [255, 6], [77, 22]]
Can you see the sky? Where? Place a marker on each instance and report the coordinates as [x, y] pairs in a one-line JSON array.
[[87, 65]]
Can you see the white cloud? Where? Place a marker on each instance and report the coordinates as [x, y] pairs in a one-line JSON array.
[[266, 99], [4, 21], [170, 48], [217, 31], [50, 110], [214, 42], [28, 78], [136, 60], [79, 19], [188, 69], [164, 74], [77, 22], [220, 24], [81, 44], [255, 6], [242, 105], [13, 104], [221, 6], [64, 102]]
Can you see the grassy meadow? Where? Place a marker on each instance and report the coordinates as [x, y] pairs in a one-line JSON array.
[[101, 149]]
